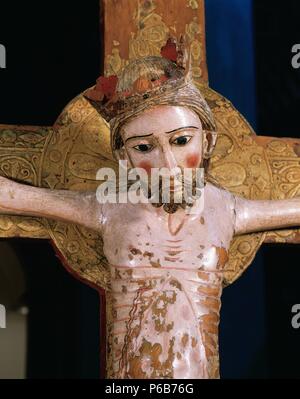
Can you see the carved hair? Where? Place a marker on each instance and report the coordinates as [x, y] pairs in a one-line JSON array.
[[145, 83]]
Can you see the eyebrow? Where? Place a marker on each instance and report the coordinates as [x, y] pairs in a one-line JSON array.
[[171, 131]]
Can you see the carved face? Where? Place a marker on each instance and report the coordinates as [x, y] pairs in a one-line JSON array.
[[163, 136], [169, 137]]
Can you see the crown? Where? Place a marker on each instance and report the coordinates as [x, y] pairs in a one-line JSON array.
[[112, 96]]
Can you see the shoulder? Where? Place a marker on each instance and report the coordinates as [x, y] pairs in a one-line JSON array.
[[116, 211], [221, 200], [219, 195]]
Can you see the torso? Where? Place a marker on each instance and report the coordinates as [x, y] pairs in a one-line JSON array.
[[166, 274]]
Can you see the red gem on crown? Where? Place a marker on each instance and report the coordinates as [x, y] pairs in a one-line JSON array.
[[169, 50], [105, 89]]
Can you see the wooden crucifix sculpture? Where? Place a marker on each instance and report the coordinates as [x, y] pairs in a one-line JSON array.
[[159, 270]]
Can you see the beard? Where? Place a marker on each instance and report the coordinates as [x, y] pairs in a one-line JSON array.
[[179, 192]]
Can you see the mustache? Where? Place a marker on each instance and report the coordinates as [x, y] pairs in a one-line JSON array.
[[167, 182]]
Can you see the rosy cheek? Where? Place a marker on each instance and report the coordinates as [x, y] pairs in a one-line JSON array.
[[146, 166], [192, 160]]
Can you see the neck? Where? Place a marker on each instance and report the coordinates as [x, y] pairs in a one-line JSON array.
[[163, 210]]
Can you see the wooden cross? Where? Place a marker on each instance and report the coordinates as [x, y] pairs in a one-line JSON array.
[[68, 154]]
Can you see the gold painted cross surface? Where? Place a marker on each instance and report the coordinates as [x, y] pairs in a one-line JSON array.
[[69, 154]]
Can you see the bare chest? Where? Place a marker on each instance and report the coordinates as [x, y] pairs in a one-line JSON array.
[[144, 240]]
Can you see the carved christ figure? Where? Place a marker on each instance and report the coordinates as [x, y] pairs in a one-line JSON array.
[[166, 264]]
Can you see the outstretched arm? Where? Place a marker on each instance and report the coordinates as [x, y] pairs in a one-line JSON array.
[[69, 206], [260, 215]]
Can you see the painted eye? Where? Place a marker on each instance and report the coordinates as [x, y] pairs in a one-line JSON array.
[[182, 140], [143, 147]]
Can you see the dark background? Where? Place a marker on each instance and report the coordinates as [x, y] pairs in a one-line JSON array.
[[53, 53], [277, 29]]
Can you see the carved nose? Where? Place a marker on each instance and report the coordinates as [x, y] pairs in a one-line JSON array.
[[169, 160]]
